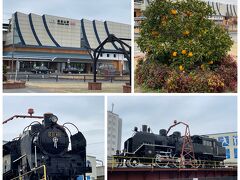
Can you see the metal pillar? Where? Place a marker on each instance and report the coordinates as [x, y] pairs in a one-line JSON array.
[[100, 49], [187, 157]]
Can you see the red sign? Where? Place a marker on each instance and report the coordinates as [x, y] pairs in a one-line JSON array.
[[72, 23]]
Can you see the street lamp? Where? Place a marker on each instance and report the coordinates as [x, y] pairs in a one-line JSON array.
[[68, 62], [13, 35]]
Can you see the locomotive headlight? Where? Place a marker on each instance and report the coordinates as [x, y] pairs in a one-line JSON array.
[[54, 118]]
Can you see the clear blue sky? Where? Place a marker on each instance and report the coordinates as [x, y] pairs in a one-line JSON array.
[[204, 114], [112, 10], [86, 112]]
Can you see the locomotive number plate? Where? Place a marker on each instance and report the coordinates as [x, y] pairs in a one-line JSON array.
[[54, 134]]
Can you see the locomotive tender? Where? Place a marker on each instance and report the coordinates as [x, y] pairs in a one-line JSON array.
[[46, 143], [144, 147]]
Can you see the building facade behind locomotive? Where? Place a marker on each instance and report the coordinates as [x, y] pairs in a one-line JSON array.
[[47, 144]]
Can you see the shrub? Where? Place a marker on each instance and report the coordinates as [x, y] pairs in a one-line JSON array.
[[179, 34], [151, 74], [199, 81], [4, 73], [156, 76], [228, 72]]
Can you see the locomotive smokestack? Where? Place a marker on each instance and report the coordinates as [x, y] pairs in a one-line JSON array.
[[47, 119], [144, 128]]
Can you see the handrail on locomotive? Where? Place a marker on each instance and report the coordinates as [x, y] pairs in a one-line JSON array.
[[33, 170]]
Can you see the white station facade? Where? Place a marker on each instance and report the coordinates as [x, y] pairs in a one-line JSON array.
[[35, 40]]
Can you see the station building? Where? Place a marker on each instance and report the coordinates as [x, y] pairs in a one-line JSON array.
[[31, 40], [229, 140], [225, 14]]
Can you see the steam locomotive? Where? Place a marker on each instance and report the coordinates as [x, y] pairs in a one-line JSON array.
[[46, 145], [145, 147]]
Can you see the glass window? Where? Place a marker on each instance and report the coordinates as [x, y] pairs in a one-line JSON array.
[[235, 153], [228, 154], [207, 143]]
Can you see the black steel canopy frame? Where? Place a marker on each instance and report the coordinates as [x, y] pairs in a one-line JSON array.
[[125, 49]]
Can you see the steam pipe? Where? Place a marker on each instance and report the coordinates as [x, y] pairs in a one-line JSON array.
[[22, 116], [175, 124]]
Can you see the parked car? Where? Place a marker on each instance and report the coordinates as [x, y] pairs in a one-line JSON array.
[[107, 69], [72, 70], [40, 70], [125, 72]]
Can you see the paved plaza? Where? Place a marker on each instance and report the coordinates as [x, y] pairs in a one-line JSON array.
[[66, 87]]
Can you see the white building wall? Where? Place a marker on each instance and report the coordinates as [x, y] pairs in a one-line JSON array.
[[92, 39], [110, 56], [223, 9], [100, 171], [25, 29], [120, 30], [103, 34], [93, 175], [65, 35], [114, 128], [230, 142], [41, 31], [10, 36]]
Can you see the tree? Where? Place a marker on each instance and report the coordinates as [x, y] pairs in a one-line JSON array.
[[181, 35]]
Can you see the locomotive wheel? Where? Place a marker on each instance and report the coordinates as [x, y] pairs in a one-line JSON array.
[[127, 162], [199, 163], [162, 164], [159, 162], [119, 162], [174, 164], [196, 164], [134, 162]]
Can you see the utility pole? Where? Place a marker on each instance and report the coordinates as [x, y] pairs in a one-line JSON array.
[[112, 107], [13, 34]]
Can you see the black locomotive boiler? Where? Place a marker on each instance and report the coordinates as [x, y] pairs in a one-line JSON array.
[[163, 150], [47, 145]]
